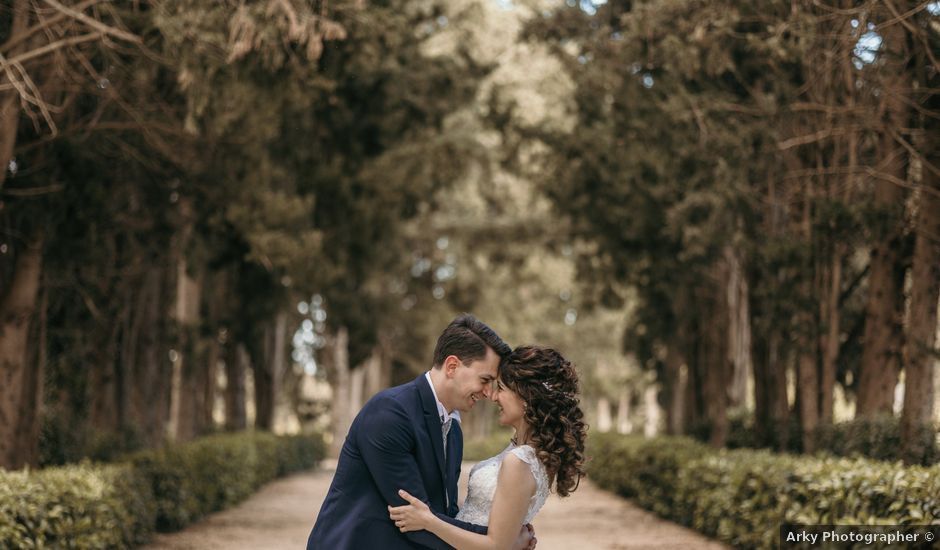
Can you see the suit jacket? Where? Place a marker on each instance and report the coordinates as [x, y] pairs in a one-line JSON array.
[[394, 443]]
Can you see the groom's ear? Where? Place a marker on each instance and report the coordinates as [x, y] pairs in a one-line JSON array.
[[451, 364]]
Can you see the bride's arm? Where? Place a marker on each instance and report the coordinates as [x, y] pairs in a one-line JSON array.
[[514, 489]]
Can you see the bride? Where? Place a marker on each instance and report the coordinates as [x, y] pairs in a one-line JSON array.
[[537, 394]]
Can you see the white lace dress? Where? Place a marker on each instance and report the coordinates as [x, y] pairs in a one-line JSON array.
[[481, 488]]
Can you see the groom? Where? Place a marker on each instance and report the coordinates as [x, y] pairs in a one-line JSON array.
[[409, 437]]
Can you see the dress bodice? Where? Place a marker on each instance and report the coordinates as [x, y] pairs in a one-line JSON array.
[[481, 488]]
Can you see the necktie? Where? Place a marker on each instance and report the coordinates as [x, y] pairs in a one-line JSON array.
[[445, 429]]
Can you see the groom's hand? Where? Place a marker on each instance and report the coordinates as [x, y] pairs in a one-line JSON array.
[[526, 539]]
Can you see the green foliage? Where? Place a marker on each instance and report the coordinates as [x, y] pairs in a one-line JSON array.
[[81, 507], [483, 448], [744, 434], [274, 147], [743, 496], [381, 129], [91, 506], [65, 441], [708, 137], [325, 131], [661, 173], [653, 468], [212, 473], [877, 438]]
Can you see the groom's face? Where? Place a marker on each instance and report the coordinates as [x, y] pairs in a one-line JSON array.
[[473, 381]]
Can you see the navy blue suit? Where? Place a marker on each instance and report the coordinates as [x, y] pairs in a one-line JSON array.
[[394, 443]]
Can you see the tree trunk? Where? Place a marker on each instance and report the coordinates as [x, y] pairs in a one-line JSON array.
[[771, 407], [717, 366], [779, 404], [357, 386], [18, 402], [202, 376], [920, 348], [831, 318], [150, 374], [807, 365], [188, 370], [831, 344], [104, 376], [267, 363], [278, 362], [209, 384], [762, 417], [739, 328], [262, 379], [624, 424], [603, 414], [217, 319], [9, 123], [651, 426], [236, 359], [378, 371], [372, 373], [338, 374], [807, 389], [695, 398], [774, 426], [879, 366], [30, 425], [10, 98], [195, 391], [674, 389]]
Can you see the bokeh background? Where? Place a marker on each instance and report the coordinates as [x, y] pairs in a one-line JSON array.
[[235, 215]]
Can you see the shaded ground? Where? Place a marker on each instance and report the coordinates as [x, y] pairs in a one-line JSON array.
[[281, 514]]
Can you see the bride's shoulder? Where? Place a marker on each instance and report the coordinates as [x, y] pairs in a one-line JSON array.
[[518, 472], [525, 453]]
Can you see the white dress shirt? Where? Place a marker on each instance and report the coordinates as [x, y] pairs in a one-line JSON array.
[[441, 410]]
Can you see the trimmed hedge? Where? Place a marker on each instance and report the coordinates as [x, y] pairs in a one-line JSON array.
[[89, 506], [81, 506], [743, 496], [878, 438], [477, 449]]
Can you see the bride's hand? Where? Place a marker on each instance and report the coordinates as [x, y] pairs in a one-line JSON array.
[[413, 516]]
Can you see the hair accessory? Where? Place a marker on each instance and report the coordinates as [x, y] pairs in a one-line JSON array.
[[552, 389]]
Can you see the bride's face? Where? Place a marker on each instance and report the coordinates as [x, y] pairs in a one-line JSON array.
[[511, 406]]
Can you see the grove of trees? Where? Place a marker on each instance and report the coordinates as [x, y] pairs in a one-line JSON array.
[[762, 179], [178, 175], [726, 201]]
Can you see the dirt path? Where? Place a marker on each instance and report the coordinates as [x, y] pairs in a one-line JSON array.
[[281, 515]]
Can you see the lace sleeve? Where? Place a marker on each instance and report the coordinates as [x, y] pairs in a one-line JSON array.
[[527, 454]]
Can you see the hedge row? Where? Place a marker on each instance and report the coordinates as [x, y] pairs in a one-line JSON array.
[[878, 438], [743, 496], [89, 506], [477, 449]]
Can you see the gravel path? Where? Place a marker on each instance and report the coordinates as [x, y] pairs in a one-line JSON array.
[[281, 515]]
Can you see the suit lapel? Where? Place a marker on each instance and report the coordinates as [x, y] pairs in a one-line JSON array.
[[433, 422]]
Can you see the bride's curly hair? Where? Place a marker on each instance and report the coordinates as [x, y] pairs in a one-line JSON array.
[[548, 384]]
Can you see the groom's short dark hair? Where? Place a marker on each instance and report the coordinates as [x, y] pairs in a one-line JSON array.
[[467, 337]]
